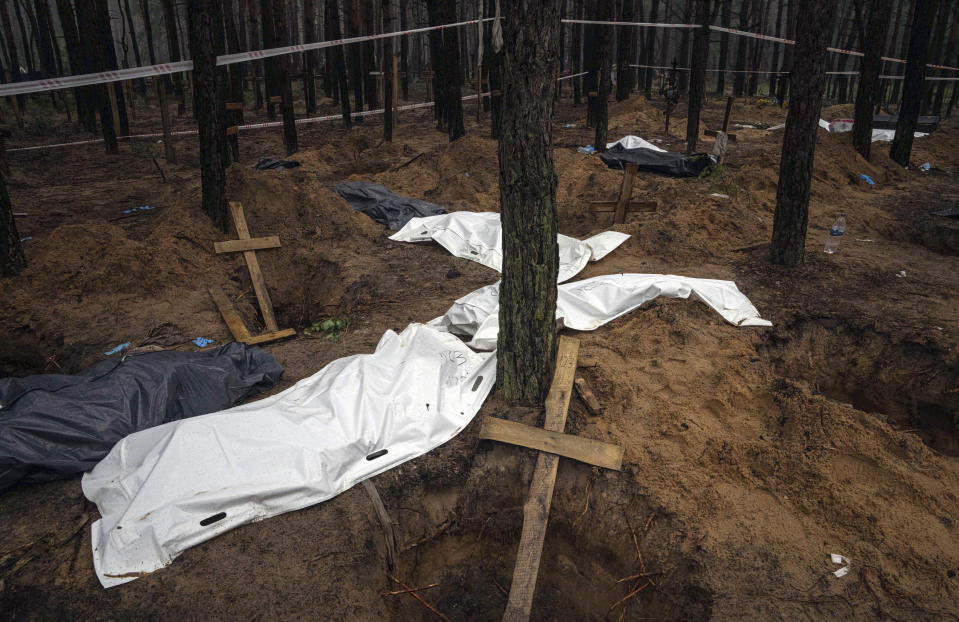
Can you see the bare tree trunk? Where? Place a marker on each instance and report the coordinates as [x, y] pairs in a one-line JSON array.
[[148, 28], [353, 9], [283, 77], [604, 45], [271, 87], [48, 61], [209, 96], [868, 93], [387, 73], [91, 41], [901, 147], [235, 70], [440, 81], [783, 83], [173, 49], [253, 19], [776, 48], [948, 57], [802, 124], [453, 73], [624, 51], [12, 259], [697, 77], [369, 55], [739, 78], [724, 21], [309, 57], [527, 181], [648, 58], [935, 50], [83, 96], [577, 51], [333, 23], [24, 40], [684, 47], [404, 54], [12, 49], [108, 61]]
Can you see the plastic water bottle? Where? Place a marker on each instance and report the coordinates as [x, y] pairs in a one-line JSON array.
[[835, 234]]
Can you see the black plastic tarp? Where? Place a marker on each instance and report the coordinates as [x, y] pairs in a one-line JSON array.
[[383, 205], [662, 162], [268, 164], [927, 124], [54, 425]]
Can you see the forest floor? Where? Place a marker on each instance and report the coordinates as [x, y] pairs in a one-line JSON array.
[[751, 453]]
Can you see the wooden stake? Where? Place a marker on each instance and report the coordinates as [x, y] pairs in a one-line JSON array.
[[165, 120], [596, 453], [624, 193], [536, 509]]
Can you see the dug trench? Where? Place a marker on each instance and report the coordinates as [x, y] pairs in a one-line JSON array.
[[750, 454]]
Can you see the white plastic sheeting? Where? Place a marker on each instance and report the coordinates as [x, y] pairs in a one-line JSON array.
[[163, 490], [478, 236], [633, 142], [839, 126], [888, 135], [590, 303]]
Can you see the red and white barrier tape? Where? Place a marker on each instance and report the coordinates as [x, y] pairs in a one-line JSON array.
[[104, 77], [635, 24]]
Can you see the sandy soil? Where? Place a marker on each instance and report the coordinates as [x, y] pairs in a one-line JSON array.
[[751, 454]]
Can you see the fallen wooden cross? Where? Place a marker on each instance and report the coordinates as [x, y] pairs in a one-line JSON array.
[[623, 204], [551, 439], [248, 246]]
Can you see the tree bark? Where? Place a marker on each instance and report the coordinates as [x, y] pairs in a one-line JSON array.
[[369, 55], [12, 259], [776, 48], [253, 19], [868, 94], [527, 181], [387, 74], [912, 85], [697, 77], [404, 54], [108, 61], [650, 48], [333, 23], [934, 50], [684, 47], [48, 61], [309, 57], [271, 86], [91, 42], [173, 49], [235, 71], [624, 51], [85, 95], [148, 29], [577, 52], [14, 59], [724, 20], [453, 73], [739, 78], [24, 40], [209, 96], [604, 62], [283, 84], [802, 125], [783, 83], [440, 81]]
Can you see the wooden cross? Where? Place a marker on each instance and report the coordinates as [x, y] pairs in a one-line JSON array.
[[248, 246], [550, 439], [622, 205]]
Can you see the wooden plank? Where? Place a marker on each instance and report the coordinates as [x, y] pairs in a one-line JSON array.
[[625, 191], [265, 337], [234, 106], [253, 244], [230, 131], [586, 450], [536, 509], [602, 207], [233, 320], [259, 284]]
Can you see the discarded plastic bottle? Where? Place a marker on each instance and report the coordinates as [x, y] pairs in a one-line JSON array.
[[835, 234]]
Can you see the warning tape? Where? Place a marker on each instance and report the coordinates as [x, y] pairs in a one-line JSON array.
[[711, 70], [636, 24], [104, 77]]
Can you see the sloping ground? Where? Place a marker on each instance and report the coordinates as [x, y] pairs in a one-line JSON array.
[[751, 454]]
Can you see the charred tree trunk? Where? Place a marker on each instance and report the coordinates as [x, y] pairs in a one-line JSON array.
[[309, 57], [173, 49], [339, 62], [12, 259], [697, 75], [209, 96], [283, 84], [624, 52], [868, 94], [912, 85], [527, 182], [802, 125]]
